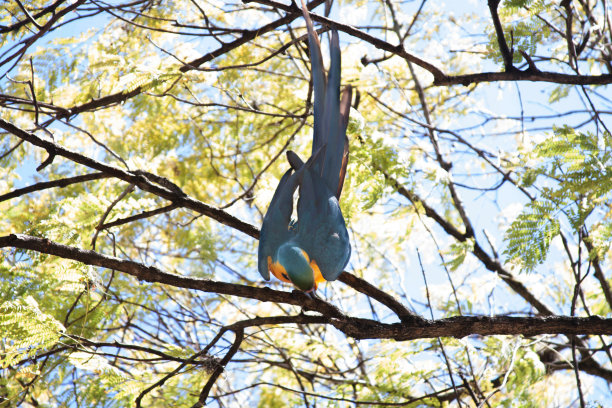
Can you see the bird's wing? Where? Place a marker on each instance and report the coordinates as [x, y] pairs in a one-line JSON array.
[[294, 160], [333, 251], [308, 203], [275, 228], [321, 229]]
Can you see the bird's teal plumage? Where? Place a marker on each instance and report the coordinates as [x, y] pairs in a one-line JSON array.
[[316, 247], [300, 273]]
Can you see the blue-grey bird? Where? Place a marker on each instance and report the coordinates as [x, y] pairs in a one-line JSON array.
[[315, 247]]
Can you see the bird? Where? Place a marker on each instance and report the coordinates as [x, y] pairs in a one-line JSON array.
[[315, 247]]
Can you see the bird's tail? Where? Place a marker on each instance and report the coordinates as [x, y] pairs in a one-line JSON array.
[[330, 111]]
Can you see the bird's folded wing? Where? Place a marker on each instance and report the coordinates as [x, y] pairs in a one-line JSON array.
[[322, 232], [275, 228]]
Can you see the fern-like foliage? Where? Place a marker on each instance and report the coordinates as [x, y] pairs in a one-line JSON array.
[[25, 329], [578, 172], [523, 30], [516, 4], [530, 234]]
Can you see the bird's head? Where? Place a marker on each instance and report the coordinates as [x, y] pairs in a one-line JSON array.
[[296, 263]]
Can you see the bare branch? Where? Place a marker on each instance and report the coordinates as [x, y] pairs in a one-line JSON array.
[[49, 9], [225, 48], [501, 39], [155, 275], [56, 16], [386, 299], [599, 273], [139, 180], [459, 326], [52, 184], [491, 264], [239, 333], [378, 43], [528, 75], [439, 77], [28, 15], [141, 216]]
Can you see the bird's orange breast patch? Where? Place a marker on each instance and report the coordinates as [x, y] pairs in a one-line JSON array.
[[281, 274], [278, 270], [318, 278]]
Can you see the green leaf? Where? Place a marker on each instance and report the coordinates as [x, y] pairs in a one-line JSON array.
[[529, 236]]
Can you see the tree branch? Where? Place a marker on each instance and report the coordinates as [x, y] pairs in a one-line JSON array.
[[589, 366], [239, 333], [250, 35], [142, 215], [459, 326], [156, 275], [207, 362], [501, 39], [28, 15], [489, 263], [363, 286], [178, 198], [462, 326], [440, 78], [527, 75], [378, 43], [49, 9], [599, 273], [51, 184], [140, 180], [43, 30]]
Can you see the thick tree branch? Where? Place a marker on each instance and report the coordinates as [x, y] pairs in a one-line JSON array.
[[137, 178], [501, 39], [156, 275], [489, 263], [178, 198], [459, 326], [440, 78], [250, 35], [527, 75]]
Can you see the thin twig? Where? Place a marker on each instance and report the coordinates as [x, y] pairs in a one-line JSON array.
[[220, 368], [124, 193], [52, 184], [446, 360], [28, 15]]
